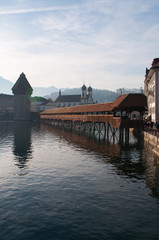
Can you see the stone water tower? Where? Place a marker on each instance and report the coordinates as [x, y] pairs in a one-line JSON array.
[[22, 92]]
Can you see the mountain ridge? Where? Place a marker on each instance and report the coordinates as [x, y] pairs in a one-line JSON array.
[[5, 86], [99, 95]]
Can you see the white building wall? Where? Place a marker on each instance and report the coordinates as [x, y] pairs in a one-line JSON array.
[[151, 90], [153, 97], [157, 96], [67, 104]]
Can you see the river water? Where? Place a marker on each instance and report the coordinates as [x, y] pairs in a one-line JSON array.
[[55, 184]]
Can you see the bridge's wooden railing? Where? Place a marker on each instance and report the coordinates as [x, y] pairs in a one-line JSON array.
[[113, 121]]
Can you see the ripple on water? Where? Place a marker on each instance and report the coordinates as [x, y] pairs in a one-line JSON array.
[[58, 185]]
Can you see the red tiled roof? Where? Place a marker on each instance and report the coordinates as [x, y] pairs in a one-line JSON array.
[[123, 102], [133, 100], [101, 107]]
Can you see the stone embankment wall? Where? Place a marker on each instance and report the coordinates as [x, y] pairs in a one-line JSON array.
[[153, 142]]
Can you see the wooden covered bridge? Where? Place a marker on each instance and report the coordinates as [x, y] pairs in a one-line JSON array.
[[104, 118]]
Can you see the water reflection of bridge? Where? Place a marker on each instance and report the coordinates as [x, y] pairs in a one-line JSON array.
[[114, 153], [130, 160], [104, 119]]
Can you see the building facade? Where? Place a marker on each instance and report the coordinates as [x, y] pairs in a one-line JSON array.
[[39, 104], [6, 106], [151, 90], [73, 100]]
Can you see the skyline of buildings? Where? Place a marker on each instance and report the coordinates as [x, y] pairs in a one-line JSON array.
[[151, 90]]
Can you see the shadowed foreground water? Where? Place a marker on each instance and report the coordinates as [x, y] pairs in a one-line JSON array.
[[60, 185]]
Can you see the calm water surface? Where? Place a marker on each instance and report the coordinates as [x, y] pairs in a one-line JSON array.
[[60, 185]]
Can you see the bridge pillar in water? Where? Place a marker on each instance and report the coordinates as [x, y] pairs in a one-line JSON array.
[[126, 135], [22, 92]]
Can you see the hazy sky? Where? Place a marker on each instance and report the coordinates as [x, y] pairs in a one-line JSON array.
[[105, 43]]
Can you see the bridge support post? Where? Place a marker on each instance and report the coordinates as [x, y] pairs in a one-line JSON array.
[[108, 126], [104, 131], [126, 135], [121, 134]]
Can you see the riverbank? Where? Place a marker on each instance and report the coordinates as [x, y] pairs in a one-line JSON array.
[[152, 141]]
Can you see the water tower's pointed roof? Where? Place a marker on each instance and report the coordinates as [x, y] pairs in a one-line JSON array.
[[22, 86]]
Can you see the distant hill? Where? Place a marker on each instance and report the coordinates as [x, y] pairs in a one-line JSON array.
[[53, 92], [5, 86], [129, 90], [42, 91], [98, 95], [104, 95]]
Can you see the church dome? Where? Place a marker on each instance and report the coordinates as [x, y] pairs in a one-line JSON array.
[[89, 89], [84, 87]]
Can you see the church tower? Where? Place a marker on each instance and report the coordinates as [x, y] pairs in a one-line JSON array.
[[89, 95], [83, 95], [22, 92]]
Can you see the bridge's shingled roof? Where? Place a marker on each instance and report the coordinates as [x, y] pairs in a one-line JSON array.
[[131, 100], [123, 102], [100, 107]]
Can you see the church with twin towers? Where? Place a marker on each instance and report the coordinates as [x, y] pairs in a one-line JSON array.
[[84, 98]]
